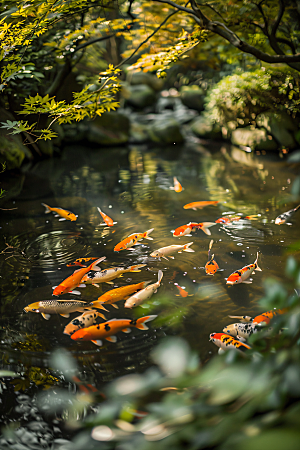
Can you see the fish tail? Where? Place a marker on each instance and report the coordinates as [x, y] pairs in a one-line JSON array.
[[145, 283], [135, 268], [146, 234], [94, 266], [205, 226], [210, 246], [255, 262], [48, 209], [187, 249], [160, 275], [99, 210], [140, 323], [297, 207], [98, 305], [242, 318]]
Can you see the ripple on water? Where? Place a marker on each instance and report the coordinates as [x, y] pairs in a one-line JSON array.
[[245, 232]]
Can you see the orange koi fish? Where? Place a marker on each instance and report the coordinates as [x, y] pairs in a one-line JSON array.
[[63, 213], [182, 291], [115, 295], [163, 252], [283, 218], [227, 342], [79, 261], [227, 220], [211, 266], [261, 319], [74, 280], [86, 319], [187, 229], [177, 186], [132, 239], [199, 205], [106, 275], [62, 307], [240, 276], [107, 329], [108, 221]]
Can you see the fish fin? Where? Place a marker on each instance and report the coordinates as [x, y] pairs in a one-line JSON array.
[[97, 269], [96, 285], [172, 188], [102, 317], [109, 282], [94, 305], [94, 266], [97, 342], [167, 258], [115, 306], [221, 351], [126, 330], [48, 210], [140, 323], [111, 339], [56, 215], [75, 292], [82, 285], [62, 219], [136, 267], [258, 269], [46, 316], [195, 209], [190, 295], [147, 234], [246, 282], [65, 315]]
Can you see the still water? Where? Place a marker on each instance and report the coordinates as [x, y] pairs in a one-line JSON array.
[[132, 185]]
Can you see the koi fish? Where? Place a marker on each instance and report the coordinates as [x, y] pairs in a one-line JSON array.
[[132, 239], [187, 229], [227, 220], [79, 261], [283, 218], [177, 186], [86, 319], [240, 276], [263, 318], [243, 330], [74, 280], [107, 329], [211, 266], [63, 213], [106, 275], [62, 307], [108, 221], [182, 292], [199, 205], [163, 252], [227, 342], [144, 294], [115, 295]]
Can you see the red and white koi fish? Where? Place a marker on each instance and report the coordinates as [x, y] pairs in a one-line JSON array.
[[108, 221], [74, 280], [226, 342], [165, 251], [177, 186], [106, 275], [107, 329], [139, 297], [132, 239], [199, 205], [227, 220], [240, 276], [261, 319], [211, 266], [187, 229], [182, 291], [79, 262], [63, 213], [86, 319], [283, 218], [62, 307]]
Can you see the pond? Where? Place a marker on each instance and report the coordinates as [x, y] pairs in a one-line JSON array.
[[132, 185]]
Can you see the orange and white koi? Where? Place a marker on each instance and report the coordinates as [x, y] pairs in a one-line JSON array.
[[132, 239], [108, 221], [86, 319], [106, 275], [199, 205], [283, 218], [177, 186], [108, 329], [182, 291], [187, 229], [63, 213], [75, 280], [62, 307], [115, 295], [240, 276], [79, 262], [261, 319], [226, 342], [163, 252], [144, 294], [227, 220], [211, 266]]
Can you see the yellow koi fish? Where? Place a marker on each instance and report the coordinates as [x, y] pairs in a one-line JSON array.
[[63, 213]]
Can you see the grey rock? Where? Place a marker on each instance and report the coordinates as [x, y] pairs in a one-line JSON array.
[[205, 128], [280, 125], [136, 78], [111, 128], [193, 97], [139, 96], [166, 131]]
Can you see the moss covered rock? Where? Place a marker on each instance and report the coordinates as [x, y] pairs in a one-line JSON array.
[[165, 131], [281, 126], [111, 128], [254, 138], [204, 128]]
